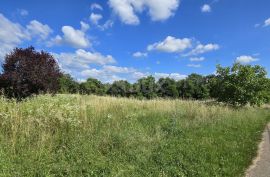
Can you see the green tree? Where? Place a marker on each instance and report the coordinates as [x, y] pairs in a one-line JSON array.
[[92, 86], [193, 87], [120, 88], [146, 87], [166, 87], [68, 85], [241, 85]]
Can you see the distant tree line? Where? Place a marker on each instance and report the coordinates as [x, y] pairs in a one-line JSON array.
[[27, 72], [237, 86]]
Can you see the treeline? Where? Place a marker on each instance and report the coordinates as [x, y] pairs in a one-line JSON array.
[[238, 85], [195, 86], [27, 72]]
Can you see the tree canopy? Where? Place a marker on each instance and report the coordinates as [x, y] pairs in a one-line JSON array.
[[27, 72]]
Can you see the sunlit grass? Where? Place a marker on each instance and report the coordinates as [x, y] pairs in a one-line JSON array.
[[73, 135]]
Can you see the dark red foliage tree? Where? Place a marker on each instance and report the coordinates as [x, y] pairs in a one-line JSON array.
[[27, 72]]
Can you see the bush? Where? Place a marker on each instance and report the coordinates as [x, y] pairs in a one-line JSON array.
[[27, 72]]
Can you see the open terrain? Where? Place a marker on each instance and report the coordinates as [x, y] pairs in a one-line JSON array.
[[73, 135]]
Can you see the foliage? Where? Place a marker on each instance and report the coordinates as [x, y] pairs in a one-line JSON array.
[[27, 72], [92, 86], [193, 87], [146, 87], [120, 88], [241, 85], [167, 88], [68, 85], [75, 135]]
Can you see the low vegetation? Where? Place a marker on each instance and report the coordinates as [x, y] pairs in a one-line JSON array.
[[74, 135]]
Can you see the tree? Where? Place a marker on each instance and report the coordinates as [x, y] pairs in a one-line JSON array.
[[193, 87], [167, 88], [146, 87], [68, 85], [241, 85], [92, 86], [27, 72], [120, 88]]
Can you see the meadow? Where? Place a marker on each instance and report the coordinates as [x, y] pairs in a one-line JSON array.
[[74, 135]]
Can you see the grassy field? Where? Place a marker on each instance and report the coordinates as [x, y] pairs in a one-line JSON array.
[[72, 135]]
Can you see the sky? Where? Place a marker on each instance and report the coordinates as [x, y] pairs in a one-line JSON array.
[[130, 39]]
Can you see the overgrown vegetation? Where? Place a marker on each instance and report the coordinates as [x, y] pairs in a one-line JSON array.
[[74, 135]]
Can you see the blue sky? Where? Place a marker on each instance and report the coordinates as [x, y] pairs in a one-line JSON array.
[[129, 39]]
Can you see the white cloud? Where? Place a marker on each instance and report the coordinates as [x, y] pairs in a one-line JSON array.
[[158, 10], [81, 60], [11, 35], [22, 12], [36, 28], [106, 25], [109, 73], [171, 45], [194, 65], [267, 22], [206, 8], [125, 11], [72, 37], [200, 49], [246, 59], [139, 54], [84, 26], [175, 76], [116, 69], [95, 57], [96, 6], [197, 59], [94, 18]]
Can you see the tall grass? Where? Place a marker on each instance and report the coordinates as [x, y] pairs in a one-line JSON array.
[[73, 135]]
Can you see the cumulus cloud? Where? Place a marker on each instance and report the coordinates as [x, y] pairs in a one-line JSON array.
[[73, 37], [245, 59], [94, 57], [200, 49], [94, 18], [109, 73], [96, 6], [11, 35], [158, 10], [206, 8], [81, 60], [267, 22], [139, 54], [171, 45], [197, 59], [38, 29]]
